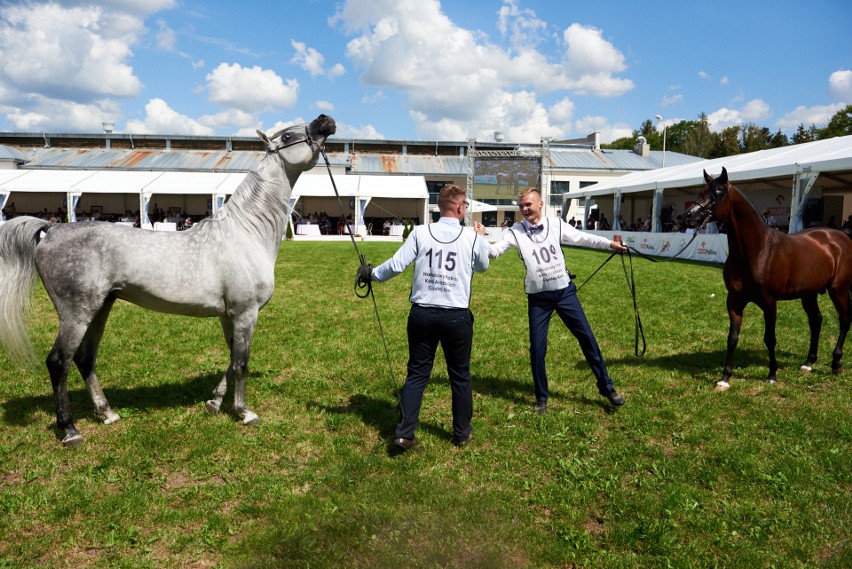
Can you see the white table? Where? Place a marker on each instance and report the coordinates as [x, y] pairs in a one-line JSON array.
[[308, 229], [165, 226], [396, 230], [361, 230]]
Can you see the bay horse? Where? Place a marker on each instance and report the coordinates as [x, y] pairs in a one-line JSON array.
[[765, 265], [227, 266]]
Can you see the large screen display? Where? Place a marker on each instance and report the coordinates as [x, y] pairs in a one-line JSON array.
[[504, 177]]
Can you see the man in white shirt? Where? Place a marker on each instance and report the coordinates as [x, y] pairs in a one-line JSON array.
[[445, 256], [549, 288]]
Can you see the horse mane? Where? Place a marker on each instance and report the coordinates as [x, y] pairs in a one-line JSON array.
[[257, 207]]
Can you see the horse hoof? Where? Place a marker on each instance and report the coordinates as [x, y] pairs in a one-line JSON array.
[[110, 417], [771, 381], [722, 386], [837, 371], [72, 440], [212, 407], [805, 369], [250, 418]]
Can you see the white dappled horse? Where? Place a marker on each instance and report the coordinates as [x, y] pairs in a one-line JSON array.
[[227, 270]]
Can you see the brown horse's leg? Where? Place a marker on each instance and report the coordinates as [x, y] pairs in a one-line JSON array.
[[811, 306], [769, 318], [842, 304], [735, 312]]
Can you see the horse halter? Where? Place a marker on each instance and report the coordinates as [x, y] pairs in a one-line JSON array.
[[306, 138], [713, 202]]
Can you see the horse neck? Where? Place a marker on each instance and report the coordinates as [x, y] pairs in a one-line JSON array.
[[260, 204], [746, 228]]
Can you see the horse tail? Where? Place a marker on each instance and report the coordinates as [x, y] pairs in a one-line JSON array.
[[18, 240]]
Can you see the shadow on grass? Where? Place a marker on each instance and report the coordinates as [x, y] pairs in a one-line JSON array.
[[703, 366], [19, 411]]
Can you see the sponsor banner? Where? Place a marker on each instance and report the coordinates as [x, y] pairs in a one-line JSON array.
[[707, 247]]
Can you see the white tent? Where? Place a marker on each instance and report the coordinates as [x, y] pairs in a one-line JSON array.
[[73, 184], [796, 167]]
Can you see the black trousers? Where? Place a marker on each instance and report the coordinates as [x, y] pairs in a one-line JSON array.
[[540, 309], [453, 329]]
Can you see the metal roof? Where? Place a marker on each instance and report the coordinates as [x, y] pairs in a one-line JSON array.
[[409, 164], [621, 160], [9, 154], [148, 159]]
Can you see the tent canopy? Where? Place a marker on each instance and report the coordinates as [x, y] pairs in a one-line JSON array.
[[831, 156], [200, 183]]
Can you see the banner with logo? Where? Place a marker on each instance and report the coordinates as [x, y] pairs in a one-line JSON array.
[[712, 248]]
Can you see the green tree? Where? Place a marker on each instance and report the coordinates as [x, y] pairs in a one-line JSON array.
[[754, 137], [804, 134], [838, 125], [728, 143], [699, 140]]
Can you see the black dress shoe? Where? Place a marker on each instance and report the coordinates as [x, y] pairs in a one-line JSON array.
[[463, 442], [406, 444], [615, 398]]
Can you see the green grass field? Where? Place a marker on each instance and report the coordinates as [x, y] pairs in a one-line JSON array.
[[681, 476]]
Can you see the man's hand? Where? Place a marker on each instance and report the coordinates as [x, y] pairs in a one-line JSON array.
[[479, 228], [364, 274], [619, 246]]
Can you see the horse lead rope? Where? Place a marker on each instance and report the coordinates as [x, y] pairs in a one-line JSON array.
[[360, 284]]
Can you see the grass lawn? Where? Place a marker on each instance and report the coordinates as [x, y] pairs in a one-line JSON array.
[[681, 476]]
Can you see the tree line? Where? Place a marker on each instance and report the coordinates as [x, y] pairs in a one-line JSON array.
[[696, 139]]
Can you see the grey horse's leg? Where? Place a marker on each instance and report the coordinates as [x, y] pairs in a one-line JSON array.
[[243, 332], [213, 405], [86, 357], [71, 333]]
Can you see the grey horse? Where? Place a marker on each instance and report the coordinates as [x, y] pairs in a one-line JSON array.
[[227, 263]]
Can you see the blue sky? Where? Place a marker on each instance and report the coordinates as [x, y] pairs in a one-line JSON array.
[[421, 69]]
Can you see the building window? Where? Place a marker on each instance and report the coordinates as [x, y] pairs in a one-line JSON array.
[[434, 188], [558, 189]]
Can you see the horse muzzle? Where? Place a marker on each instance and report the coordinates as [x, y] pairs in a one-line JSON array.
[[324, 125]]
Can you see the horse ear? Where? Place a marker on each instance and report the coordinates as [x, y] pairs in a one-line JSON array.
[[265, 139], [723, 178], [707, 177]]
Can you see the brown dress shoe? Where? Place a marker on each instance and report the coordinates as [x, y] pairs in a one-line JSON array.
[[463, 442], [406, 444]]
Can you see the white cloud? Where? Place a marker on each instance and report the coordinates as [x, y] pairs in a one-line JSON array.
[[55, 115], [524, 29], [673, 100], [703, 75], [753, 111], [250, 89], [324, 106], [724, 80], [75, 53], [307, 58], [807, 116], [483, 87], [229, 119], [166, 37], [609, 132], [756, 110], [313, 61], [840, 86], [162, 119], [345, 130]]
